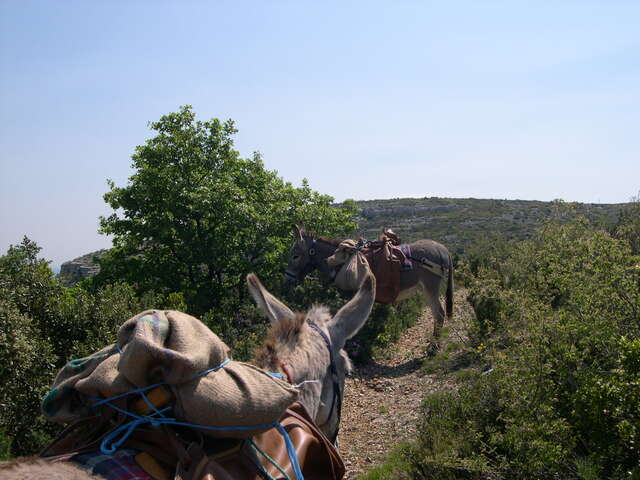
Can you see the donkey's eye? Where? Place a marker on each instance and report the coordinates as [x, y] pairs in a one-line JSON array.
[[296, 257]]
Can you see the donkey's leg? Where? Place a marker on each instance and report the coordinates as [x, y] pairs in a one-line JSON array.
[[431, 289], [437, 311]]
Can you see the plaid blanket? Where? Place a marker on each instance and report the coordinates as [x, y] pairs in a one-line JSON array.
[[407, 265], [119, 466]]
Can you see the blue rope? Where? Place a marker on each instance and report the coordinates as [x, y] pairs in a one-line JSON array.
[[257, 449], [293, 456], [117, 437], [214, 369]]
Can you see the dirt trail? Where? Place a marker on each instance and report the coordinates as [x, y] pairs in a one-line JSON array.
[[382, 398]]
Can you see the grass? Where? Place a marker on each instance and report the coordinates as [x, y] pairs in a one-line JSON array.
[[396, 466]]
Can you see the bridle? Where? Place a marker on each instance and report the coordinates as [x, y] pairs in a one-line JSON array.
[[308, 267]]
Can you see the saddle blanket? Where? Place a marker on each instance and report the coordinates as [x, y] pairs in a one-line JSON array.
[[119, 466]]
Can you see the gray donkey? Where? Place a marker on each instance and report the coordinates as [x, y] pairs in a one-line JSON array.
[[308, 348], [430, 264]]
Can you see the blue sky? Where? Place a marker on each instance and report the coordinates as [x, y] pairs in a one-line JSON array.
[[517, 100]]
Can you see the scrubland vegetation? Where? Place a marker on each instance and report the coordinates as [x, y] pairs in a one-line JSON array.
[[550, 386], [548, 380]]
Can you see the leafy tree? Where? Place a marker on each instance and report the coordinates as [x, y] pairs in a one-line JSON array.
[[195, 217], [44, 324], [27, 280], [27, 358], [628, 226]]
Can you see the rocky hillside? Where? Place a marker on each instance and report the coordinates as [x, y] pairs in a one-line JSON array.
[[73, 271], [455, 222], [461, 222]]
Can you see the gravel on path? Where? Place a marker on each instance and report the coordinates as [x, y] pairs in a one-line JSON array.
[[382, 398]]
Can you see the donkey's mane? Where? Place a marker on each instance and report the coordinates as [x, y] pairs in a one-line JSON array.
[[35, 468], [282, 340], [331, 241]]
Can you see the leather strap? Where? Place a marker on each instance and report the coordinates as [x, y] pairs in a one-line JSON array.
[[337, 391]]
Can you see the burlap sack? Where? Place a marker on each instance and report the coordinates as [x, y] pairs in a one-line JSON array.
[[353, 267], [71, 396], [175, 348]]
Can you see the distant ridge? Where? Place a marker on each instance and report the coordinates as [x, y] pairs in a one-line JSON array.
[[456, 222], [460, 222]]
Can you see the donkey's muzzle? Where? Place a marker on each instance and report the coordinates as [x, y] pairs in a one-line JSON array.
[[290, 279]]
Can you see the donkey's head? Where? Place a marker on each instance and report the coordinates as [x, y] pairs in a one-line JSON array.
[[307, 253], [308, 348], [300, 256]]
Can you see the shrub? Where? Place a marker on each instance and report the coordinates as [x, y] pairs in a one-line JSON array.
[[43, 325], [26, 367], [558, 320]]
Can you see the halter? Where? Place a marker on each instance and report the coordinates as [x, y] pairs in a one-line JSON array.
[[337, 393]]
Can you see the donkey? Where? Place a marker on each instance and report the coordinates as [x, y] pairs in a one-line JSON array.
[[306, 348], [430, 262]]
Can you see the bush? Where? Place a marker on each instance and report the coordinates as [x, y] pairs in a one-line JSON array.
[[26, 368], [43, 325], [557, 319]]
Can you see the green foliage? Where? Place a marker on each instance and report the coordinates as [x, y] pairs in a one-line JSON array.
[[26, 366], [628, 226], [242, 330], [557, 320], [197, 218], [396, 466], [44, 324]]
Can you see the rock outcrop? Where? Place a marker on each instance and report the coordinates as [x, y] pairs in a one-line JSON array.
[[78, 269]]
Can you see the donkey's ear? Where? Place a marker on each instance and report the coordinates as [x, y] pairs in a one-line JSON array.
[[351, 317], [297, 231], [273, 308]]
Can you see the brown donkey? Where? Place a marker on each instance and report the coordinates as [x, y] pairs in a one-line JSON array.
[[430, 264]]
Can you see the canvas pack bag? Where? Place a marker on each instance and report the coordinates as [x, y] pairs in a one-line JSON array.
[[352, 267], [178, 351]]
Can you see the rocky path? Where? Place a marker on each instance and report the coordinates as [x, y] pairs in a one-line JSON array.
[[382, 399]]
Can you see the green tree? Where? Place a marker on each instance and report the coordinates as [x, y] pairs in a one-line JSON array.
[[195, 217], [27, 358], [43, 324], [628, 225]]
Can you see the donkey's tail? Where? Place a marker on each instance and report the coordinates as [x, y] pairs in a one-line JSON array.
[[449, 299]]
